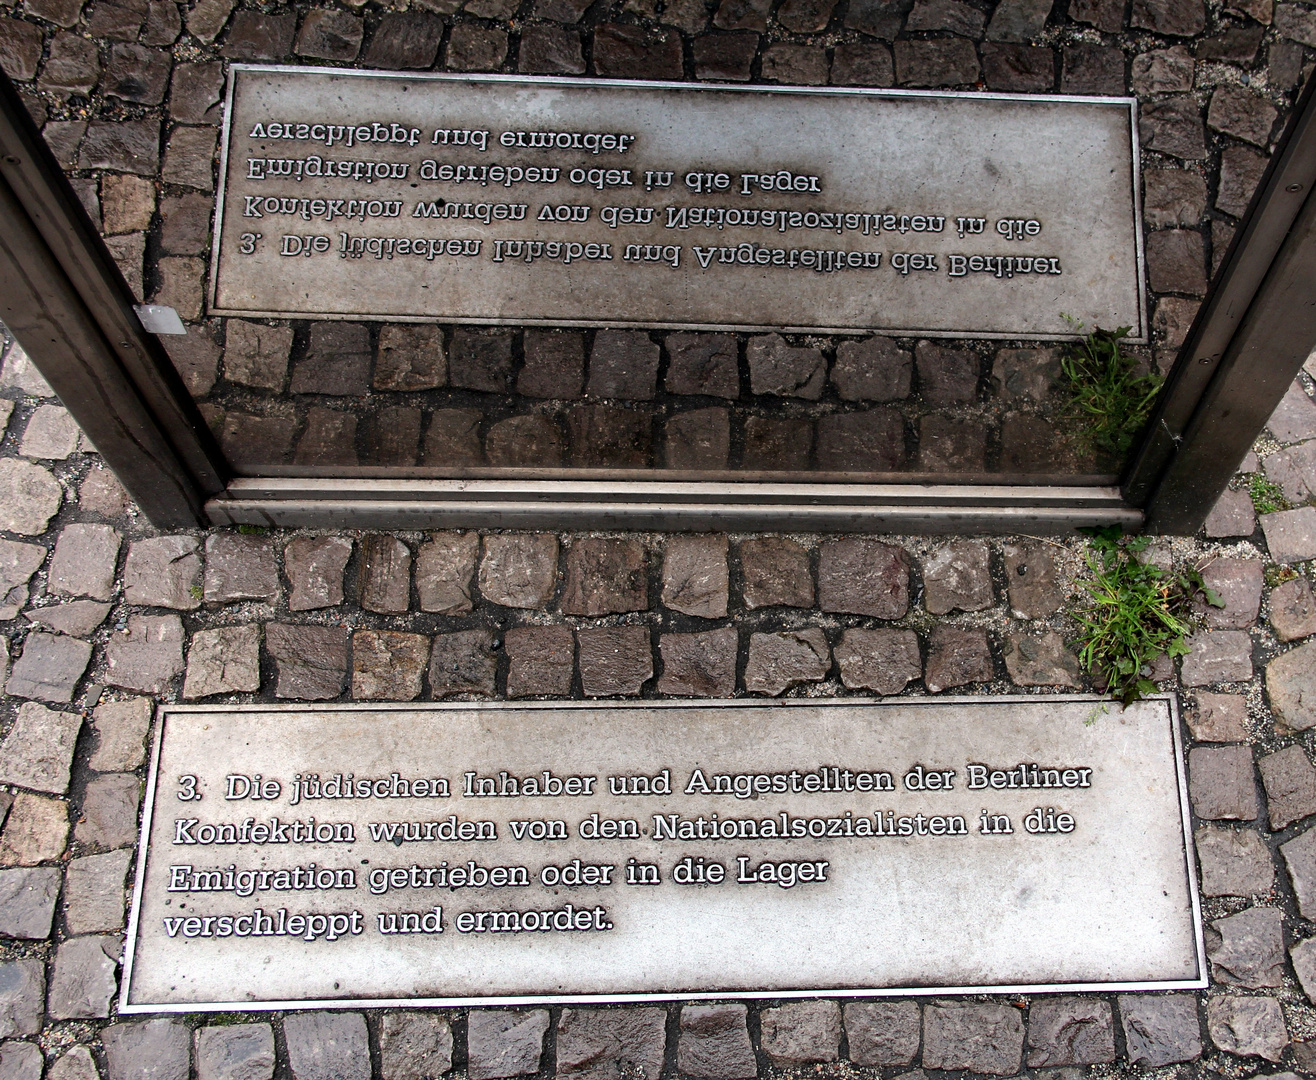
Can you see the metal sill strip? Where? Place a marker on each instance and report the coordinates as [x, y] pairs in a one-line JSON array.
[[424, 504]]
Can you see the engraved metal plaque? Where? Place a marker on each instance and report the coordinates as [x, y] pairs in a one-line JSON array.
[[485, 852], [518, 200]]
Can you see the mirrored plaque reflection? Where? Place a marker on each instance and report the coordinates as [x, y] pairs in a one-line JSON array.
[[418, 399]]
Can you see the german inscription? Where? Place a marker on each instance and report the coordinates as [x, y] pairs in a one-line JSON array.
[[446, 853], [507, 199]]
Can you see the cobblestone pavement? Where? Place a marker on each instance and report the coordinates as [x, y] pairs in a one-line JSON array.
[[103, 615]]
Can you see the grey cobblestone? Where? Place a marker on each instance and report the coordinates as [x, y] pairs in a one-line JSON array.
[[235, 1052], [37, 753], [801, 1033], [882, 1033], [714, 1043], [327, 1046], [981, 1038], [83, 979], [1248, 1026], [147, 1050], [1247, 949], [1160, 1029], [504, 1043], [611, 1044]]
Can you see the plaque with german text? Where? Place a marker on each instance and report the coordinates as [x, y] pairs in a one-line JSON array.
[[320, 855], [544, 201]]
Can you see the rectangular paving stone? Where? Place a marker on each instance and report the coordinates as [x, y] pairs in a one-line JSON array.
[[1090, 256], [514, 772]]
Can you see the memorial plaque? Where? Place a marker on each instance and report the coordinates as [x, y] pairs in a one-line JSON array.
[[509, 199], [484, 852]]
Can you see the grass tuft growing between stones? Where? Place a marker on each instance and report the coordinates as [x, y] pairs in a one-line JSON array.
[[1110, 399], [1132, 613], [1267, 496]]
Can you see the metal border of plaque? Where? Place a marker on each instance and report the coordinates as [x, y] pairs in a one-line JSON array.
[[1141, 331], [1178, 788]]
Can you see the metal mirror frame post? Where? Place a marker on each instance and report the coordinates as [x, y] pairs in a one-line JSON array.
[[67, 303]]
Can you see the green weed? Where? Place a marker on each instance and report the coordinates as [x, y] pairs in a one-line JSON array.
[[1133, 613], [253, 530], [1109, 399], [1267, 496]]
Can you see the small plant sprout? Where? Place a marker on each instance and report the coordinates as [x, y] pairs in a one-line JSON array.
[[1132, 613], [1110, 400], [1267, 496]]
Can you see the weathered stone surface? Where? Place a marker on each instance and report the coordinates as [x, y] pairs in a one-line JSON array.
[[109, 812], [801, 1033], [18, 562], [623, 364], [956, 656], [958, 576], [1173, 197], [1293, 610], [951, 444], [1248, 1026], [695, 579], [980, 1038], [1221, 782], [1232, 515], [476, 48], [1303, 956], [1176, 261], [19, 373], [83, 981], [310, 661], [776, 572], [1025, 374], [714, 1043], [148, 1050], [94, 892], [147, 655], [36, 830], [385, 574], [725, 57], [541, 660], [1217, 656], [776, 445], [196, 89], [871, 441], [1162, 71], [953, 15], [1018, 20], [49, 668], [554, 362], [608, 1044], [330, 35], [20, 48], [121, 728], [519, 569], [782, 660], [235, 1052], [314, 566], [327, 1046], [1240, 173], [699, 665], [607, 436], [1030, 572], [445, 568], [77, 1063], [550, 50], [863, 577], [1235, 862], [1018, 67], [412, 1046], [1173, 126], [1290, 783], [1294, 470], [699, 439], [38, 750], [387, 665], [1291, 687], [778, 368], [873, 369], [881, 660], [257, 355], [27, 901], [863, 63], [605, 576], [1040, 660], [1291, 534], [22, 988], [164, 571], [223, 661], [1294, 418], [1219, 718], [77, 618], [1172, 319], [481, 360], [1092, 69], [1160, 1029], [504, 1042], [946, 376], [101, 493], [410, 358], [703, 364], [1070, 1031], [1247, 949], [240, 568], [72, 67], [337, 361], [1296, 22], [409, 40], [882, 1032], [463, 663], [1239, 112], [51, 433], [622, 51], [29, 497], [615, 660], [1300, 859], [20, 1060]]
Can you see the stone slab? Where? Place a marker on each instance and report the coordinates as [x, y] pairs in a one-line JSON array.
[[977, 910], [639, 205]]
